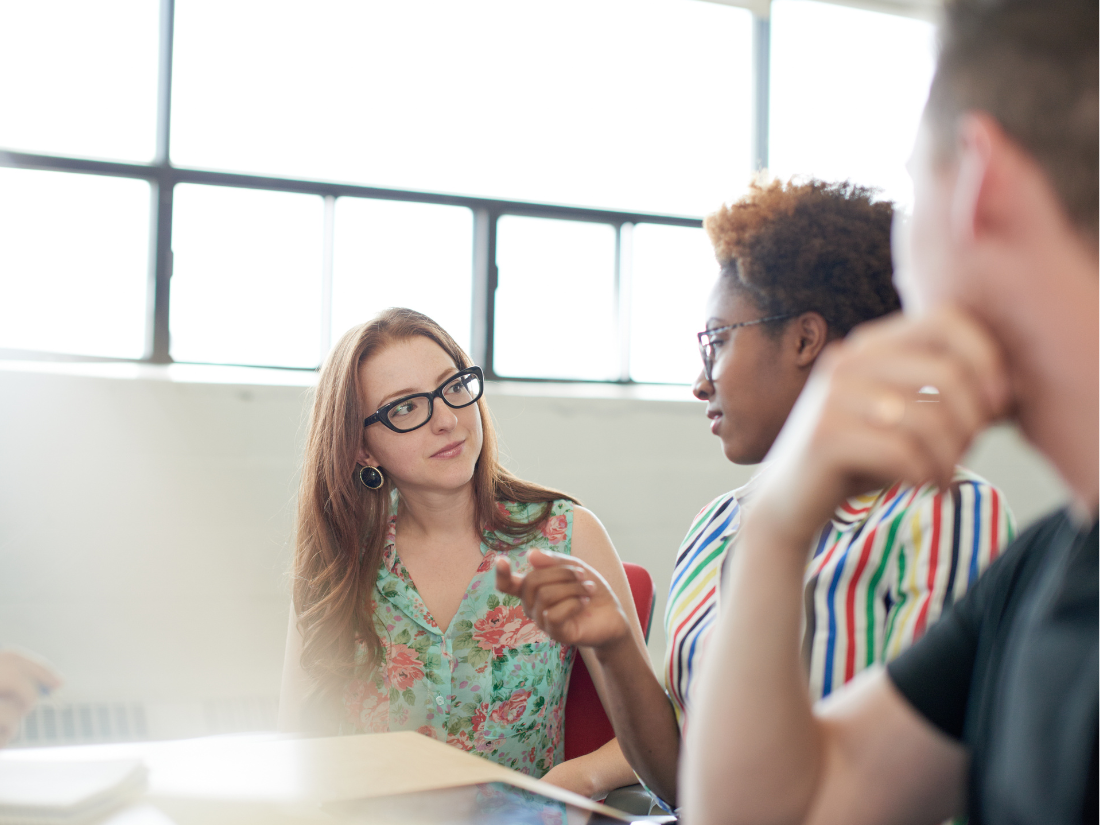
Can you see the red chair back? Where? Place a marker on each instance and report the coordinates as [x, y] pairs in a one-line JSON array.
[[586, 725]]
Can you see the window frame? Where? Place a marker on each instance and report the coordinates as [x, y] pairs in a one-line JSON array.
[[163, 176]]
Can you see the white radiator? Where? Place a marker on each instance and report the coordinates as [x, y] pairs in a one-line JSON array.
[[85, 723]]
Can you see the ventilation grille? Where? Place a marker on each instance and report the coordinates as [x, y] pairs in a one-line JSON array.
[[241, 715], [84, 723]]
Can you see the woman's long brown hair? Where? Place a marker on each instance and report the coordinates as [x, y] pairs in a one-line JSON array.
[[342, 525]]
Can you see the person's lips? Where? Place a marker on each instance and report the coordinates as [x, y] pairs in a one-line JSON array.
[[450, 451], [715, 419]]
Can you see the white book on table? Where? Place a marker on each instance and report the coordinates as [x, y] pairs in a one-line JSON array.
[[34, 792]]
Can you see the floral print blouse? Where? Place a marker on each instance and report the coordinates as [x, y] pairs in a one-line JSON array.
[[492, 683]]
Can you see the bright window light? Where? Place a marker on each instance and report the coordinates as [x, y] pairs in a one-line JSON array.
[[74, 263], [630, 104], [673, 269], [555, 300], [80, 78], [847, 90], [392, 254], [246, 281]]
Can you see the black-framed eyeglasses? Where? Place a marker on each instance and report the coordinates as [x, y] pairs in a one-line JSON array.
[[413, 411], [707, 341]]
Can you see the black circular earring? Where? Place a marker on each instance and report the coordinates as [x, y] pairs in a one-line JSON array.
[[372, 478]]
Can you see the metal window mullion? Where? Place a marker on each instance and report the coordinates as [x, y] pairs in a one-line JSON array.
[[624, 284], [322, 188], [761, 59], [328, 244], [157, 340], [158, 336], [483, 298], [164, 81]]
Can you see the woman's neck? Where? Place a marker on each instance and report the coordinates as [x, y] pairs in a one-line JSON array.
[[438, 515]]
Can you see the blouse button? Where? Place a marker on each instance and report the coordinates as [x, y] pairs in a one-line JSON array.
[[439, 700]]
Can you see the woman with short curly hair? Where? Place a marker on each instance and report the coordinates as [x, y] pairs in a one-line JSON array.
[[801, 264], [806, 262]]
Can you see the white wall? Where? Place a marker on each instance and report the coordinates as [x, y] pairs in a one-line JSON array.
[[146, 513]]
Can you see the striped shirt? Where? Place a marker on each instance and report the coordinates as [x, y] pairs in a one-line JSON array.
[[883, 569]]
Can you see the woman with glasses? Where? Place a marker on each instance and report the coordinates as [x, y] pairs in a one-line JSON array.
[[800, 266], [403, 510]]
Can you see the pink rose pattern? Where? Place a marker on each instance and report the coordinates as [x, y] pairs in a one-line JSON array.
[[403, 667], [556, 529], [492, 683], [506, 627], [508, 713]]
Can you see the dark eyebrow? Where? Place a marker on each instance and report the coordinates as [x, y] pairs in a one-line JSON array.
[[410, 391]]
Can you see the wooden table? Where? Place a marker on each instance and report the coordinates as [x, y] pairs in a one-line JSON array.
[[280, 779]]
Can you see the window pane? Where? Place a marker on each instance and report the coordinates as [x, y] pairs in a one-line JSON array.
[[847, 90], [80, 78], [74, 263], [246, 281], [673, 270], [555, 300], [391, 254], [634, 104]]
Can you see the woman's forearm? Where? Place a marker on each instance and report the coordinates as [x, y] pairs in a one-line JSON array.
[[641, 714], [752, 736], [594, 774]]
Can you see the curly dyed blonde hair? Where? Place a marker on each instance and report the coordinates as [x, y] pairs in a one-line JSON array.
[[808, 246]]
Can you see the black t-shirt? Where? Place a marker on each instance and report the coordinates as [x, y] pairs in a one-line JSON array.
[[1011, 671]]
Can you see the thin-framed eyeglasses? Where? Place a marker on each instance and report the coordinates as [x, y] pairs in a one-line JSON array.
[[414, 411], [707, 341]]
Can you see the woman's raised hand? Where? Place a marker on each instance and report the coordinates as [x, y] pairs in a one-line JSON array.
[[567, 599]]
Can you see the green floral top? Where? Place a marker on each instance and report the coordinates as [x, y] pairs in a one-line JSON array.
[[492, 683]]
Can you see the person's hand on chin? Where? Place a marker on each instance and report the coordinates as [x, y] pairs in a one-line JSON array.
[[898, 400]]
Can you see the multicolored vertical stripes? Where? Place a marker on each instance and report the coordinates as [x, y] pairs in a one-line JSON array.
[[884, 569]]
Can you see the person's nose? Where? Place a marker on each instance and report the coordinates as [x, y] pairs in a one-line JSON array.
[[443, 418], [702, 389]]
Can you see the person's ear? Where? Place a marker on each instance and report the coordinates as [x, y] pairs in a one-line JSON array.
[[812, 334], [1002, 195], [363, 456], [972, 199]]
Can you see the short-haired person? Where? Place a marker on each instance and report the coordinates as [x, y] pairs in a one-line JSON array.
[[402, 511], [994, 712], [801, 264]]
